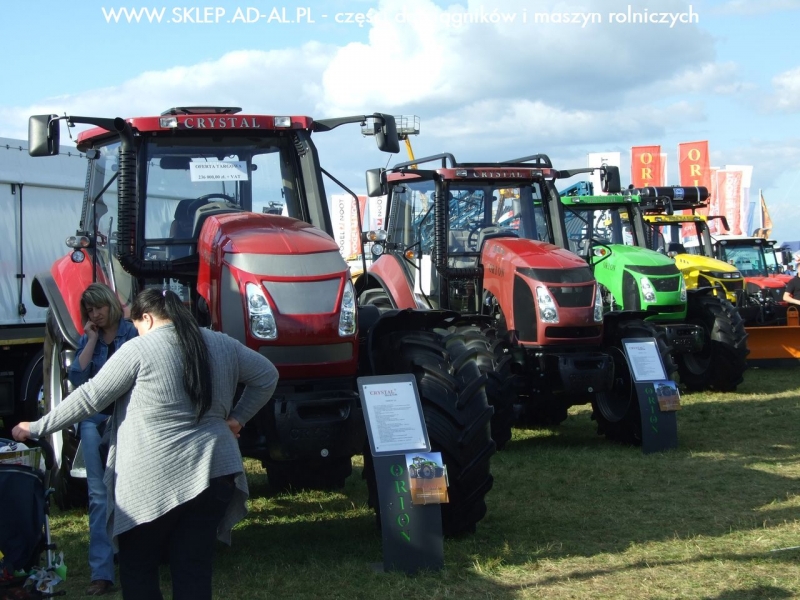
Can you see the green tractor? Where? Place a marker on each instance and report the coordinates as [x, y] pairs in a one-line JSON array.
[[704, 331], [425, 469]]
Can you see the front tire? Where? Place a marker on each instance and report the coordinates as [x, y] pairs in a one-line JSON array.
[[457, 415], [617, 411], [69, 492], [720, 365]]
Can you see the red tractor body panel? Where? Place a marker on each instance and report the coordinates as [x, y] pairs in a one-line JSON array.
[[506, 259], [72, 278], [289, 260], [395, 281]]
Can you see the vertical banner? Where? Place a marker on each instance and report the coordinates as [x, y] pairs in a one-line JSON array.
[[376, 213], [715, 227], [646, 166], [601, 159], [729, 192], [746, 209], [663, 163], [344, 220], [693, 164]]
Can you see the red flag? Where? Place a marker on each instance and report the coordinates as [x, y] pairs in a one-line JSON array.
[[646, 166], [693, 164]]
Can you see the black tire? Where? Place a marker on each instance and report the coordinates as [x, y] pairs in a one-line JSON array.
[[69, 492], [720, 365], [617, 411], [329, 474], [457, 415], [495, 362], [426, 472], [28, 405]]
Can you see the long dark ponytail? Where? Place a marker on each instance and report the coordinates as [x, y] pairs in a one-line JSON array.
[[196, 364]]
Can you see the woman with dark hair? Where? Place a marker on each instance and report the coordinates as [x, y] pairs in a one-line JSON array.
[[105, 330], [175, 474]]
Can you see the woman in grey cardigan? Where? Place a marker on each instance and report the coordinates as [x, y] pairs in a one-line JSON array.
[[174, 473]]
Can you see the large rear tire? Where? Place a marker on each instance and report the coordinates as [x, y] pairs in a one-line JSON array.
[[495, 363], [457, 415], [720, 365], [69, 492], [617, 411]]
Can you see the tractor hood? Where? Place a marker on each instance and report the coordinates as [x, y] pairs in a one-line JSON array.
[[251, 233], [534, 254], [634, 255], [703, 263]]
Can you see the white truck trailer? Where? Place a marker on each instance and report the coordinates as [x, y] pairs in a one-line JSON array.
[[40, 203]]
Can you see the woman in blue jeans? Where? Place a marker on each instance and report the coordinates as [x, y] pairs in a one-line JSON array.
[[105, 331]]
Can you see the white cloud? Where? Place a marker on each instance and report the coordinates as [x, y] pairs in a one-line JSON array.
[[709, 77], [751, 7], [787, 92]]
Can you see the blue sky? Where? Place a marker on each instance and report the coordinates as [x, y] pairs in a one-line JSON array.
[[483, 90]]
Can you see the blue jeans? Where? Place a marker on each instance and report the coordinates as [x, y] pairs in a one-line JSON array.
[[101, 554]]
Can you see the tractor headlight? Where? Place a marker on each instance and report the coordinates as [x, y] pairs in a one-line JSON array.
[[683, 289], [648, 291], [724, 274], [259, 313], [598, 305], [548, 312], [347, 314]]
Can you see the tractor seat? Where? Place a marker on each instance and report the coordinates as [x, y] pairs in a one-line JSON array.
[[674, 249]]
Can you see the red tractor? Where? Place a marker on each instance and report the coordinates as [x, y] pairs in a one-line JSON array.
[[229, 211], [478, 239]]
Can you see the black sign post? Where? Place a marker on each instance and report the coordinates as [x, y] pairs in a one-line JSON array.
[[659, 426], [412, 533]]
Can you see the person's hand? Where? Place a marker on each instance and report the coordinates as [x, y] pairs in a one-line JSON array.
[[235, 426], [91, 331], [22, 431]]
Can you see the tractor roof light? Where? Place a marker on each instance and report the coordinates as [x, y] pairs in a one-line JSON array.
[[347, 314], [282, 122], [78, 241], [376, 235], [259, 312], [168, 122]]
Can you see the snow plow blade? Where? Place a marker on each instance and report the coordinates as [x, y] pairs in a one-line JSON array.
[[779, 344]]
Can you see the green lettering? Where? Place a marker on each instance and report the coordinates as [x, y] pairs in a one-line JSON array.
[[403, 520], [396, 470], [402, 502], [400, 487], [405, 535]]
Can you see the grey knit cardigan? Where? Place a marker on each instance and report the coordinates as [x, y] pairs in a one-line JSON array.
[[160, 457]]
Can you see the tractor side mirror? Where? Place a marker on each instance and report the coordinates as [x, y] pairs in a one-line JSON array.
[[44, 135], [609, 178], [375, 183], [386, 133]]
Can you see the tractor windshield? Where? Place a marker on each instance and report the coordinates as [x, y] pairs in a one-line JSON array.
[[234, 172], [748, 259], [606, 225], [476, 210]]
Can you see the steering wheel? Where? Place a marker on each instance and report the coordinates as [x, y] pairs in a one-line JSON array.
[[472, 238]]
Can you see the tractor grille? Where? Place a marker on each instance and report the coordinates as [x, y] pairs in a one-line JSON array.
[[662, 270], [573, 296], [668, 308], [572, 332], [734, 286], [666, 284]]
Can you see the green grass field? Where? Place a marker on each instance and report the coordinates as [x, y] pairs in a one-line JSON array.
[[570, 516]]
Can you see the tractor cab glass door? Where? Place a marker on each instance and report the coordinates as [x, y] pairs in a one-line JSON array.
[[748, 259], [101, 220], [411, 231], [589, 225]]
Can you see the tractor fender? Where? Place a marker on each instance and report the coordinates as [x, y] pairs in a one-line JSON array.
[[45, 292]]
